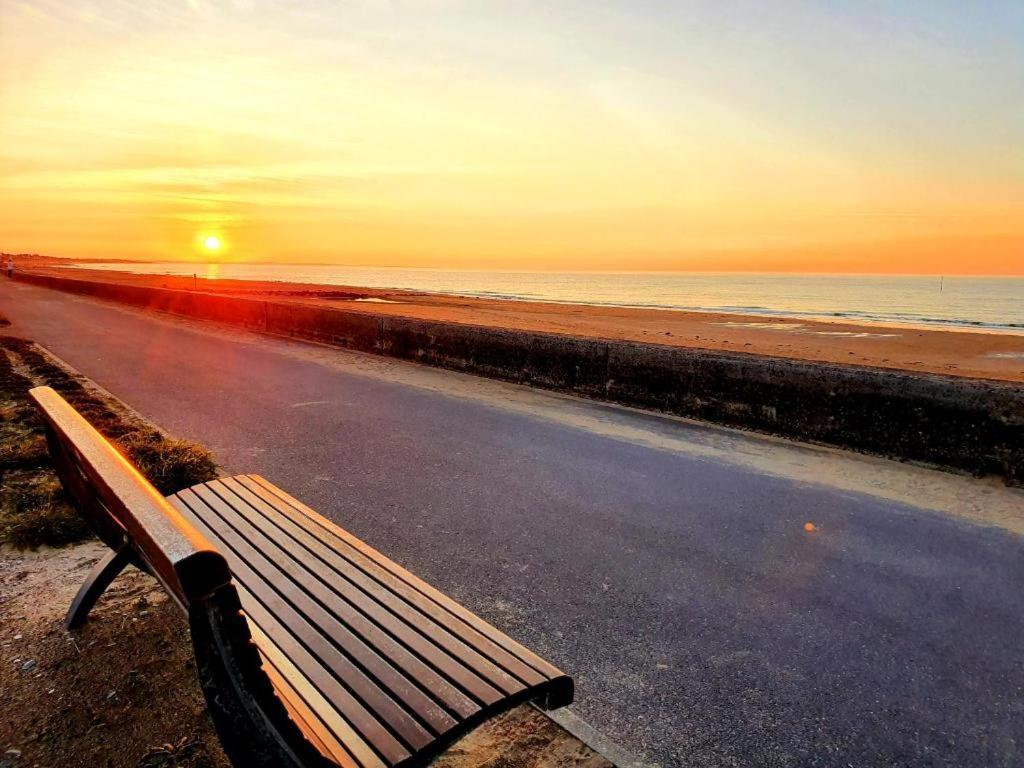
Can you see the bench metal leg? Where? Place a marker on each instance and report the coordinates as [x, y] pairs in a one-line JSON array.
[[104, 572]]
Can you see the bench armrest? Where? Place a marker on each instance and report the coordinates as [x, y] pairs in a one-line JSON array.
[[113, 496]]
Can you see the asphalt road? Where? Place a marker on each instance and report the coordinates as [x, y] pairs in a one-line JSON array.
[[664, 564]]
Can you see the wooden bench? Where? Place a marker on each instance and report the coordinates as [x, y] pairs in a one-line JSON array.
[[312, 648]]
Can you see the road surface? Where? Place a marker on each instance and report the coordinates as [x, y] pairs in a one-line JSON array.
[[665, 564]]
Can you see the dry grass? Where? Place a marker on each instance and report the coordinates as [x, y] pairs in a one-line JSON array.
[[23, 452], [170, 465], [33, 510]]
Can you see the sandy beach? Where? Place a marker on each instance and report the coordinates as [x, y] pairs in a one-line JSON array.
[[975, 354]]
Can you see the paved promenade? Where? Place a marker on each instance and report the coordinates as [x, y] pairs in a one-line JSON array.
[[665, 564]]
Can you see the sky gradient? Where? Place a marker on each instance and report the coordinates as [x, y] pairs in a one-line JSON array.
[[862, 137]]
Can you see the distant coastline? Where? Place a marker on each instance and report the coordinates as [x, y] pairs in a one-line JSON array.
[[942, 348], [969, 303]]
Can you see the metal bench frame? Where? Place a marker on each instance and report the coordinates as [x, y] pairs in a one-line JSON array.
[[144, 529]]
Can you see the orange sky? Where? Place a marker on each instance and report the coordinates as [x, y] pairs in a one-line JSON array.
[[439, 133]]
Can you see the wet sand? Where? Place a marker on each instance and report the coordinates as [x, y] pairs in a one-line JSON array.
[[969, 353]]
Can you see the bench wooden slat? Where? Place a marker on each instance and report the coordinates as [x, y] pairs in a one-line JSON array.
[[434, 642], [310, 725], [341, 704], [327, 714], [471, 629], [341, 601], [434, 597], [269, 566], [370, 711]]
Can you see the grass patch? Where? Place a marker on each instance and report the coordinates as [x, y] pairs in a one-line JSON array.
[[23, 452], [169, 465], [33, 511], [33, 508]]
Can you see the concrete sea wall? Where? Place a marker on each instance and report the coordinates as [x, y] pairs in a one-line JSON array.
[[966, 424]]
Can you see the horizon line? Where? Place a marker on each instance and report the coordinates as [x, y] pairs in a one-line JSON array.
[[513, 270]]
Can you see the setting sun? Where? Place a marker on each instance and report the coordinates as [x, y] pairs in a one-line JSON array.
[[211, 243], [514, 153]]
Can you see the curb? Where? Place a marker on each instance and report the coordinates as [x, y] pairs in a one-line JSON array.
[[568, 721]]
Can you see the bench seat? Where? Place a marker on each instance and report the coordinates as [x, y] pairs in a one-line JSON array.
[[355, 645]]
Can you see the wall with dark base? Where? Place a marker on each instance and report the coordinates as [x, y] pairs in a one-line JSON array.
[[961, 423]]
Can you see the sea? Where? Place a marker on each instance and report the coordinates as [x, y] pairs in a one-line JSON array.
[[993, 304]]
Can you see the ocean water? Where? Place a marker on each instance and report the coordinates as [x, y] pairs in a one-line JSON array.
[[983, 303]]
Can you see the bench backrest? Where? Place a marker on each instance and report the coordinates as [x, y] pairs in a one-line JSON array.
[[123, 507]]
